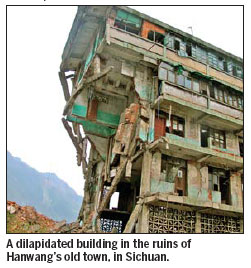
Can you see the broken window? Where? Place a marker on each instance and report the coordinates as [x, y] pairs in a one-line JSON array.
[[212, 137], [219, 180], [221, 63], [156, 37], [169, 41], [211, 91], [189, 49], [176, 44], [176, 125], [174, 171], [204, 136], [128, 22]]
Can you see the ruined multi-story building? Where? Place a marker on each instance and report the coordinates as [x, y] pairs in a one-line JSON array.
[[163, 112]]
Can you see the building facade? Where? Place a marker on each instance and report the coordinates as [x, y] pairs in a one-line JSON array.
[[163, 113]]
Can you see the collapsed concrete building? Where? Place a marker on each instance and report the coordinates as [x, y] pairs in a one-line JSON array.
[[163, 112]]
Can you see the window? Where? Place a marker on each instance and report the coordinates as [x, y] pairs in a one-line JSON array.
[[230, 99], [201, 54], [176, 44], [239, 72], [203, 87], [221, 63], [156, 37], [217, 138], [171, 76], [169, 41], [212, 59], [188, 82], [240, 102], [218, 180], [162, 74], [176, 125], [220, 95], [211, 91], [225, 96], [128, 22], [196, 85], [189, 49], [174, 171], [241, 147], [234, 100], [180, 80], [204, 136]]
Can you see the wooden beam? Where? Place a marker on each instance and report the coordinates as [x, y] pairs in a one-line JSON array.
[[134, 217], [64, 84], [74, 139]]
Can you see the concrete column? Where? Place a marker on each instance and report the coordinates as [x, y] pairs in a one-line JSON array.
[[145, 185], [198, 223]]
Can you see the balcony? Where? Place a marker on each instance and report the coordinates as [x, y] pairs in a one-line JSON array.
[[202, 109], [189, 149]]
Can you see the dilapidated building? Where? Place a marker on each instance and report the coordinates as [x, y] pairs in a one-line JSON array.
[[163, 113]]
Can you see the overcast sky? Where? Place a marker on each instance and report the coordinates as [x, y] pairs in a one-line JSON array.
[[36, 38]]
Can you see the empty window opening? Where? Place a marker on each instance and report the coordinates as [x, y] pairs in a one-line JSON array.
[[204, 136], [173, 170], [122, 149], [219, 180], [114, 202], [180, 192], [225, 188], [176, 45], [241, 147], [189, 49], [156, 37]]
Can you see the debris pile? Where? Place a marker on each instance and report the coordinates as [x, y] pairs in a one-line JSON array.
[[26, 220]]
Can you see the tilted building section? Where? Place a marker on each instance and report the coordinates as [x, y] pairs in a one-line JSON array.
[[163, 112]]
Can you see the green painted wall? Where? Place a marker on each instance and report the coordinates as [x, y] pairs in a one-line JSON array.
[[102, 117], [79, 110], [107, 118], [93, 128]]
